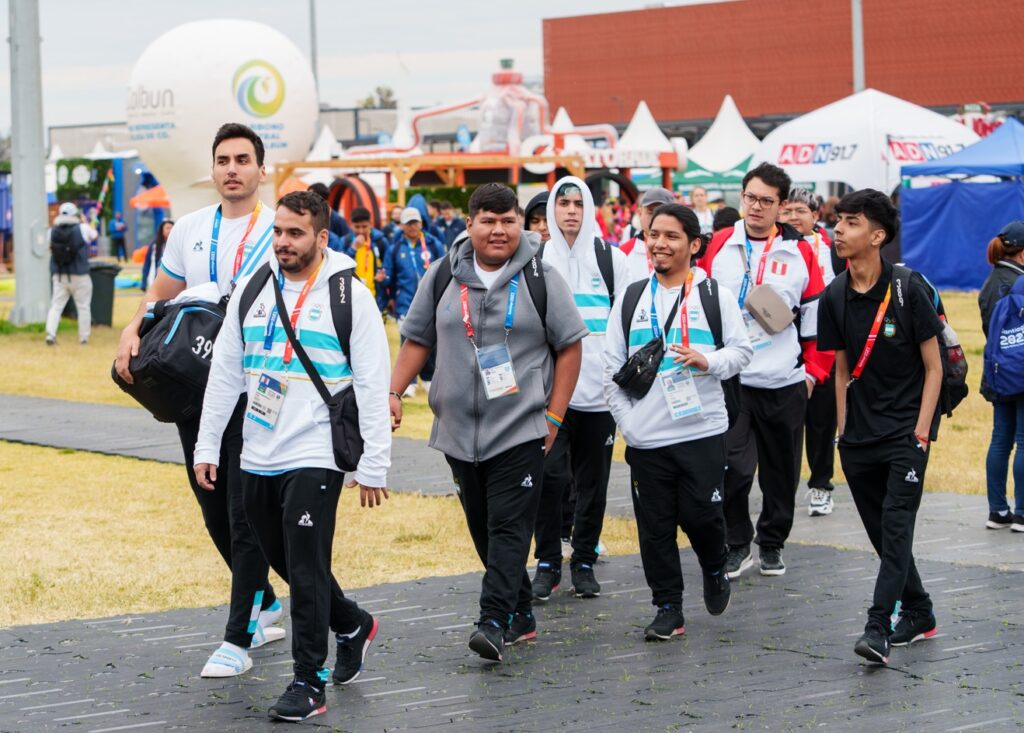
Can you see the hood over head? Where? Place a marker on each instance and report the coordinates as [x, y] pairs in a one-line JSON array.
[[588, 226]]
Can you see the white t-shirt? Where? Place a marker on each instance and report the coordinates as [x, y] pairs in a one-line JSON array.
[[488, 277], [187, 254], [706, 219]]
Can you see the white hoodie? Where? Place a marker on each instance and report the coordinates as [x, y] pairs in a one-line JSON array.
[[647, 423], [302, 435], [578, 265]]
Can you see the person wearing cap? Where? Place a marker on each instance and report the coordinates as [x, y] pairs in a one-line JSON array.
[[406, 262], [801, 213], [582, 453], [69, 271], [638, 261], [536, 216], [1006, 255], [884, 330]]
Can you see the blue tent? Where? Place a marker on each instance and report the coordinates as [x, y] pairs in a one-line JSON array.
[[6, 203], [946, 228], [999, 154]]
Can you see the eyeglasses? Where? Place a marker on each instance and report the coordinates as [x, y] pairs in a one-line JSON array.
[[765, 202]]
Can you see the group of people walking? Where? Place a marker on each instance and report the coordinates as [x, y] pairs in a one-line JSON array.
[[545, 342]]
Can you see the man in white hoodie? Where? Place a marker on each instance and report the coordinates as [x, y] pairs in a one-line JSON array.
[[675, 434], [582, 452], [290, 478]]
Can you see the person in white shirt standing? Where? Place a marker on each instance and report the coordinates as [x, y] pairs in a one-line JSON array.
[[70, 237], [639, 266], [699, 204], [208, 250], [582, 453], [801, 212], [675, 434], [290, 478]]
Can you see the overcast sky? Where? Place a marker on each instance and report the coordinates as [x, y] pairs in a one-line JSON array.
[[427, 51]]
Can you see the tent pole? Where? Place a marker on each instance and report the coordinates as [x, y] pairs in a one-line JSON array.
[[856, 10]]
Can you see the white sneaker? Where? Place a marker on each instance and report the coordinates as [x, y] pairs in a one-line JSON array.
[[265, 635], [820, 503], [410, 391], [270, 616], [228, 661]]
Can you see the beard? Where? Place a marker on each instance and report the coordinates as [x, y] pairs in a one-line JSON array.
[[301, 262]]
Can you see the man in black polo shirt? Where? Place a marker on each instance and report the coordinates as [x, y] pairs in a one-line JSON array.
[[884, 331]]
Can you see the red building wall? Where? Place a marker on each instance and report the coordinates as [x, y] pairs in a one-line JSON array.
[[781, 56]]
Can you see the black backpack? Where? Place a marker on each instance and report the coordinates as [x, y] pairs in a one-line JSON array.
[[65, 242], [954, 362], [173, 364], [708, 291]]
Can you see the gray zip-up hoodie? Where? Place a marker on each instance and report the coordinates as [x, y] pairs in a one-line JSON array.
[[468, 426]]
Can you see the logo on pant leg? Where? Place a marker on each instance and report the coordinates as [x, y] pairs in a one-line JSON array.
[[716, 495], [610, 441], [911, 477], [305, 521], [528, 481]]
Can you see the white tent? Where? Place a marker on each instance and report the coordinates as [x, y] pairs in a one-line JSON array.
[[727, 143], [862, 140], [326, 147], [643, 133]]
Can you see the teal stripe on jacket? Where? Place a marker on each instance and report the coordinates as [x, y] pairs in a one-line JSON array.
[[596, 325], [640, 336], [308, 338], [589, 300], [276, 364]]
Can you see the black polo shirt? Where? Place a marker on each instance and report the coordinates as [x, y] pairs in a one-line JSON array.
[[885, 401]]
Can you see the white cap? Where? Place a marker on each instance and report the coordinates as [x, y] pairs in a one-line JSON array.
[[411, 213], [68, 209]]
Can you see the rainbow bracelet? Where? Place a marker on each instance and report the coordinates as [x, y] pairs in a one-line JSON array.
[[553, 419]]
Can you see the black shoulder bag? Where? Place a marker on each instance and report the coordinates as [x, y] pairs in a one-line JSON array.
[[638, 373], [343, 408]]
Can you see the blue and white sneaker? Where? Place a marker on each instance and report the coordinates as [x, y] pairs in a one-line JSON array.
[[228, 661]]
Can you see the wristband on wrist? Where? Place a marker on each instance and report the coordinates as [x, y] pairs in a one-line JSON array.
[[923, 439], [396, 394], [553, 419]]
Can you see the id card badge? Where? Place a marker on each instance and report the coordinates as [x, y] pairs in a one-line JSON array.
[[680, 393], [496, 371], [759, 338], [265, 403]]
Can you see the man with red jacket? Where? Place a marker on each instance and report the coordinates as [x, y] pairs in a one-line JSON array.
[[760, 253]]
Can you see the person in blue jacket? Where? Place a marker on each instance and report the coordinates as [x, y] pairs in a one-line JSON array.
[[368, 247], [450, 225], [419, 203], [407, 261]]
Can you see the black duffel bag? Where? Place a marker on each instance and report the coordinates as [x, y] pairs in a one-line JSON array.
[[173, 364]]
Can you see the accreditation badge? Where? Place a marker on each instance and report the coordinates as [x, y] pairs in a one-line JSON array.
[[680, 393], [496, 371], [265, 403], [759, 338]]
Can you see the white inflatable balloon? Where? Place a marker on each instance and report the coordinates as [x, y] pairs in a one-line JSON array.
[[194, 78]]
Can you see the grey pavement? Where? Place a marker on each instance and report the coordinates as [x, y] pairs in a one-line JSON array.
[[779, 659], [950, 526]]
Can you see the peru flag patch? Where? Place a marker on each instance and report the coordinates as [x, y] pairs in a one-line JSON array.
[[779, 268]]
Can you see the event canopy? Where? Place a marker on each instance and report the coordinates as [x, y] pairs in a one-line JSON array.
[[999, 154], [643, 133], [151, 198], [728, 143], [862, 140]]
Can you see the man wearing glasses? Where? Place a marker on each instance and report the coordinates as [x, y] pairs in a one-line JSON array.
[[775, 273]]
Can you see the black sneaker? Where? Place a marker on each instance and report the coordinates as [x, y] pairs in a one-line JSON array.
[[873, 645], [666, 624], [913, 627], [999, 521], [488, 640], [300, 701], [546, 581], [584, 584], [771, 561], [737, 560], [717, 591], [522, 628], [352, 651], [1018, 523]]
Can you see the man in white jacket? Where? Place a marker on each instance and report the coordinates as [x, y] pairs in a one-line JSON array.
[[581, 456], [290, 479], [675, 434]]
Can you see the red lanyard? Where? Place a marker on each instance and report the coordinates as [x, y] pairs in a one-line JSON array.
[[239, 254], [297, 310], [764, 258], [425, 251], [684, 317], [466, 321], [869, 345]]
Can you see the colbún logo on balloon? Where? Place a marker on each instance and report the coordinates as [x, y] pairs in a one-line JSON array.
[[259, 88]]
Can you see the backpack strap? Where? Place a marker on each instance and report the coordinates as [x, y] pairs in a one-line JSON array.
[[533, 273], [901, 294], [442, 279], [340, 288], [604, 264], [251, 291], [712, 310], [630, 300]]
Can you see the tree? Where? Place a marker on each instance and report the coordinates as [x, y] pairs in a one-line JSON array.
[[384, 99]]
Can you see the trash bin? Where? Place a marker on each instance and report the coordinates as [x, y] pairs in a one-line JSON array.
[[102, 275]]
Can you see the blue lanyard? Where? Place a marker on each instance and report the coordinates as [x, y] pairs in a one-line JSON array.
[[746, 273], [510, 305], [257, 249], [655, 327], [213, 245], [268, 335]]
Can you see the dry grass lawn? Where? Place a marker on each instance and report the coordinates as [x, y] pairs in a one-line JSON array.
[[84, 535]]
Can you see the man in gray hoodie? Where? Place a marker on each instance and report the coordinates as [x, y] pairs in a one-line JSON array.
[[506, 368]]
